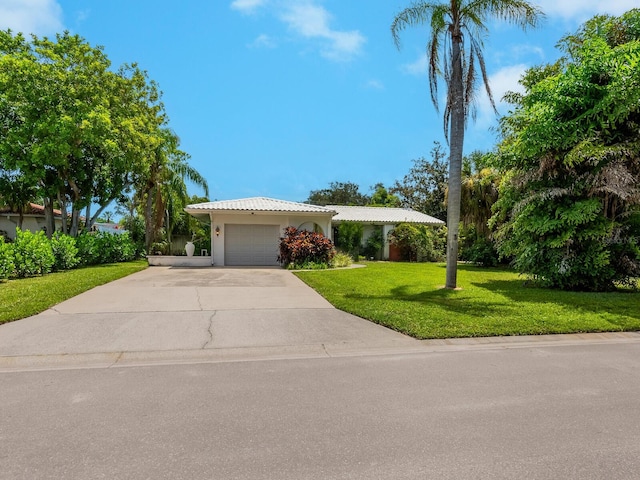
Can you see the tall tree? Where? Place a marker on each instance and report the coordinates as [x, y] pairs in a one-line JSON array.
[[455, 53], [381, 197], [569, 207], [161, 189], [72, 127], [338, 193], [423, 188]]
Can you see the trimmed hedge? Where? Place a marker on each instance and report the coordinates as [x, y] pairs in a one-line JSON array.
[[34, 254]]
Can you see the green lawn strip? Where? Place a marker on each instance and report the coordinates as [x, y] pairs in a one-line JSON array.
[[410, 298], [29, 296]]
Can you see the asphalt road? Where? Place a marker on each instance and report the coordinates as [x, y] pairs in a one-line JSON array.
[[547, 412]]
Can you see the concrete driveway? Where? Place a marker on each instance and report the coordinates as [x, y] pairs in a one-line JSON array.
[[193, 314]]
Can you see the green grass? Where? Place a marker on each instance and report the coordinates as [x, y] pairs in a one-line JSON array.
[[29, 296], [410, 298]]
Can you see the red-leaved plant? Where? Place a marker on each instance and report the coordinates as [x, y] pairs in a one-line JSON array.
[[299, 247]]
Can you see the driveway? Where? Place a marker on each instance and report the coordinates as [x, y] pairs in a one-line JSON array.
[[193, 314]]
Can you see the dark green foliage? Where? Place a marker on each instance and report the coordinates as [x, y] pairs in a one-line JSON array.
[[349, 238], [423, 188], [65, 251], [6, 259], [134, 224], [383, 198], [302, 249], [374, 244], [103, 247], [32, 254], [419, 243], [481, 251], [338, 193], [569, 207]]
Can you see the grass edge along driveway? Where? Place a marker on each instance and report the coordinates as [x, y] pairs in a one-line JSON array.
[[21, 298], [410, 298]]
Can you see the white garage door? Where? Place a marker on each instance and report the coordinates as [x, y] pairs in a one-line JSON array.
[[255, 245]]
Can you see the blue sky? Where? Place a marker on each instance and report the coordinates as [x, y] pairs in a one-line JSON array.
[[280, 97]]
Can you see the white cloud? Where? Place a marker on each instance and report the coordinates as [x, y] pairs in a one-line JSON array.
[[503, 81], [247, 6], [263, 41], [40, 17], [312, 21], [419, 68], [585, 9], [374, 84]]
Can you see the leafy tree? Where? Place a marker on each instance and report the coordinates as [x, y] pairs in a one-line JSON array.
[[569, 208], [72, 128], [338, 193], [479, 193], [162, 188], [455, 54], [382, 197], [423, 188]]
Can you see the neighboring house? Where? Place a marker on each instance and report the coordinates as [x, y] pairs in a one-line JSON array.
[[33, 220], [248, 231], [108, 228]]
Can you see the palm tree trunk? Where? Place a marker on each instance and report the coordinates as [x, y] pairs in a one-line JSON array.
[[456, 143]]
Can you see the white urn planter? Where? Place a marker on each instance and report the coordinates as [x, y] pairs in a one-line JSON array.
[[189, 248]]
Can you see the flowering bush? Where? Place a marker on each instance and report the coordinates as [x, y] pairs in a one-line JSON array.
[[302, 248]]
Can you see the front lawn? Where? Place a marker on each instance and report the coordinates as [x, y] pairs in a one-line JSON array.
[[409, 297], [29, 296]]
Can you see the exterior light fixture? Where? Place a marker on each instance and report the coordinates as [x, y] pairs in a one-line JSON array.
[[217, 231]]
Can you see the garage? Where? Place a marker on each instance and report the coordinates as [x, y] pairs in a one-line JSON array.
[[247, 231], [255, 245]]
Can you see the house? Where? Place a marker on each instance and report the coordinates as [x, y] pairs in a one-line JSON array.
[[248, 231], [380, 218], [33, 220]]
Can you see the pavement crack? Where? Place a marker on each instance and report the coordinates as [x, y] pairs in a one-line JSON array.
[[198, 298], [115, 362], [209, 331]]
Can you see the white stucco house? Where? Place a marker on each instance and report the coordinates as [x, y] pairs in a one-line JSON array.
[[247, 231], [32, 220]]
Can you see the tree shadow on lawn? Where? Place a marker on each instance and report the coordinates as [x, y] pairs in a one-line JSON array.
[[618, 304], [514, 297]]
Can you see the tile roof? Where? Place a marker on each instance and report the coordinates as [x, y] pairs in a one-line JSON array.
[[258, 204], [30, 209], [381, 215]]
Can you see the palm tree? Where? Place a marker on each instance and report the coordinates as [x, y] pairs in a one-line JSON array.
[[163, 191], [455, 53]]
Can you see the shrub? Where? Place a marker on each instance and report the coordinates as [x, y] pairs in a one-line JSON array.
[[374, 244], [349, 238], [32, 254], [419, 243], [102, 247], [341, 259], [65, 251], [300, 247], [6, 259]]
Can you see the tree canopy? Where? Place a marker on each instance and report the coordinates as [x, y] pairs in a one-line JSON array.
[[338, 193], [569, 209], [76, 133]]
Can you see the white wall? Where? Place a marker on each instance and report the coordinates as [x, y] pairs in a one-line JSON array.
[[33, 223]]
